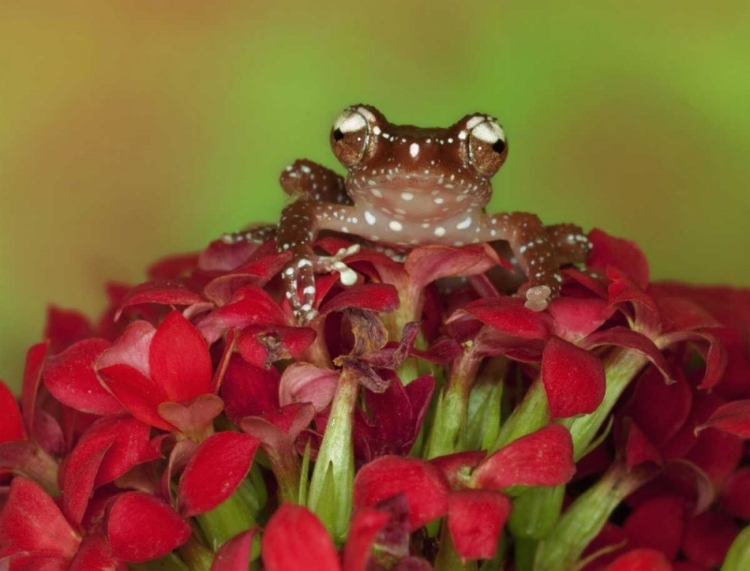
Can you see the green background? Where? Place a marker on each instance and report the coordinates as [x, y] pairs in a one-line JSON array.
[[130, 130]]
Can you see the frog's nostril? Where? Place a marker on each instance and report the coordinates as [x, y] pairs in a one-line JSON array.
[[337, 135], [498, 146]]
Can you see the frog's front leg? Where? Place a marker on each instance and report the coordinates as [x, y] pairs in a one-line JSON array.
[[309, 179], [298, 229], [535, 252], [304, 179]]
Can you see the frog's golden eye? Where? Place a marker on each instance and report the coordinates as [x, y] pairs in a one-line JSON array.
[[350, 136], [488, 147]]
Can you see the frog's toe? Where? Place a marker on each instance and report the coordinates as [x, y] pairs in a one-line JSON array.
[[538, 297], [336, 263]]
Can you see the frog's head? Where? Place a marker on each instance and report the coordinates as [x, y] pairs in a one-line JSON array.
[[443, 166]]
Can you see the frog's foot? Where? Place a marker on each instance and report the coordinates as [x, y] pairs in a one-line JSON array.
[[535, 250], [538, 297], [258, 235], [299, 278]]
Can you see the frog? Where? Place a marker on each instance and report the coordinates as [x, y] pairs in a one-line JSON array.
[[409, 186]]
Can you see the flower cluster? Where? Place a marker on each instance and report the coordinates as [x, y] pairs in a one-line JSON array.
[[423, 419]]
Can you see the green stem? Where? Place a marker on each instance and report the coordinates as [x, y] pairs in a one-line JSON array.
[[621, 367], [229, 518], [447, 558], [738, 558], [586, 516], [452, 409], [332, 483], [529, 416], [169, 562], [197, 556]]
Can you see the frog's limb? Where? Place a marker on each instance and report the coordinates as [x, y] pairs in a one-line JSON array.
[[304, 179], [258, 234], [311, 180], [535, 252], [297, 232], [571, 245]]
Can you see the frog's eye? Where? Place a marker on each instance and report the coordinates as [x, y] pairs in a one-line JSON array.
[[350, 136], [487, 144]]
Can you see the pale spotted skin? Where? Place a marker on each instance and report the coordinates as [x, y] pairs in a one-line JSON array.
[[409, 186]]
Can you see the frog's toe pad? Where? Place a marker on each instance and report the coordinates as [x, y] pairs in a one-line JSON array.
[[537, 297], [335, 263]]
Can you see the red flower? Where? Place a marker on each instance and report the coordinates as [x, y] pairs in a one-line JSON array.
[[150, 366]]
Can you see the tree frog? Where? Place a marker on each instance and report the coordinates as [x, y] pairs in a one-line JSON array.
[[408, 186]]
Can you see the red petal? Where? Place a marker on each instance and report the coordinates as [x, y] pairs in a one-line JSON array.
[[71, 379], [36, 562], [303, 382], [366, 524], [708, 538], [215, 471], [682, 314], [715, 356], [172, 267], [235, 553], [195, 417], [657, 524], [623, 290], [640, 560], [735, 494], [619, 253], [30, 521], [248, 390], [428, 263], [141, 527], [161, 292], [279, 428], [262, 345], [65, 327], [575, 318], [542, 458], [733, 417], [131, 348], [475, 520], [425, 487], [688, 566], [11, 425], [253, 305], [95, 554], [573, 379], [138, 394], [639, 449], [624, 337], [78, 478], [396, 414], [32, 377], [716, 453], [179, 359], [731, 306], [129, 443], [294, 539], [373, 297], [646, 407], [222, 257], [454, 465], [508, 315]]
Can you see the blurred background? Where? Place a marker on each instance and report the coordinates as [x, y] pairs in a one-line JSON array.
[[131, 130]]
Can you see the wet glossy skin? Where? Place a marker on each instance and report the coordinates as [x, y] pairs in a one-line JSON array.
[[409, 186]]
